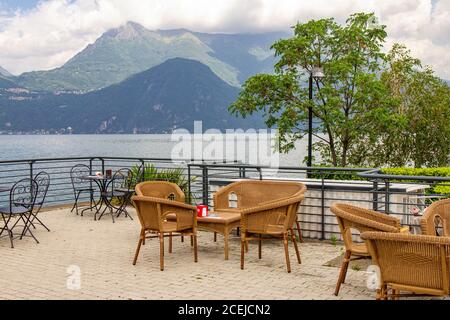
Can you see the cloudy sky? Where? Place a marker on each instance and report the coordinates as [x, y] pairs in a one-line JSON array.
[[36, 35]]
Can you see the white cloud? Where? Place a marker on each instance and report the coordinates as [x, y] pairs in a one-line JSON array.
[[50, 34]]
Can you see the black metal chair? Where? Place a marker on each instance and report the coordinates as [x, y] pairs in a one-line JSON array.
[[43, 181], [81, 185], [119, 192], [21, 203]]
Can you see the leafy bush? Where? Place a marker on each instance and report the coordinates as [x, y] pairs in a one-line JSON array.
[[441, 188], [173, 175], [425, 172]]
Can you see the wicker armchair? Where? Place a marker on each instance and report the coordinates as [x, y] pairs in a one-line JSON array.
[[413, 263], [250, 193], [268, 209], [154, 202], [429, 223], [354, 218]]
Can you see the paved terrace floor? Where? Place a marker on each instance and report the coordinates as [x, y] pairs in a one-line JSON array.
[[104, 251]]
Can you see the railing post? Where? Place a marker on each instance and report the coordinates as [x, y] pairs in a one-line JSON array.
[[375, 195], [90, 166], [387, 196], [31, 169], [322, 206], [205, 186], [103, 165], [189, 183]]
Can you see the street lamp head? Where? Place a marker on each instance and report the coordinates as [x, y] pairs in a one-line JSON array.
[[318, 73]]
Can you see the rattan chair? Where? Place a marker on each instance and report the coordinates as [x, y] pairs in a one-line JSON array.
[[153, 203], [246, 194], [416, 264], [436, 219], [268, 209], [354, 218]]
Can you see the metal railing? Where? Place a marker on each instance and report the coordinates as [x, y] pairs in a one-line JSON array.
[[395, 195], [369, 188], [60, 191]]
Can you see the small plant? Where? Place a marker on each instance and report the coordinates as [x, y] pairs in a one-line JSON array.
[[356, 268], [173, 175], [334, 240]]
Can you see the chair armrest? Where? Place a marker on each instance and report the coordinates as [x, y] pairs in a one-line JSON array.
[[186, 215], [272, 205], [165, 202], [382, 218], [376, 226]]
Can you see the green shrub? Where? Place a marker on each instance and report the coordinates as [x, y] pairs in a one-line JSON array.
[[327, 174], [423, 172], [441, 188], [173, 175]]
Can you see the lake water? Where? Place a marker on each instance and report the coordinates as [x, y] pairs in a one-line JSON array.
[[16, 147]]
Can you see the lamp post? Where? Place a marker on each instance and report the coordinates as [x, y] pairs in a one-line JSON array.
[[316, 73]]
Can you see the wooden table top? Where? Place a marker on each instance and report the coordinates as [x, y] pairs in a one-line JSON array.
[[222, 217]]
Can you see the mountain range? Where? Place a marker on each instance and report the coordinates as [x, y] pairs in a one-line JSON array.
[[171, 95], [132, 79], [129, 49], [4, 73]]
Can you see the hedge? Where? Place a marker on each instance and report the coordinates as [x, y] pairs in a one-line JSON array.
[[424, 172]]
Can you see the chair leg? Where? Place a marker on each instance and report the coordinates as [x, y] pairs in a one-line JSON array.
[[343, 272], [243, 242], [215, 236], [137, 250], [286, 251], [299, 230], [73, 207], [39, 221], [170, 243], [260, 247], [192, 241], [161, 251], [195, 249], [226, 236], [5, 227], [11, 238], [182, 239], [297, 251], [76, 203], [395, 293]]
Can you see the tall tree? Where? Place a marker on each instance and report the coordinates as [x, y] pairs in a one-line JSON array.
[[421, 134], [348, 104]]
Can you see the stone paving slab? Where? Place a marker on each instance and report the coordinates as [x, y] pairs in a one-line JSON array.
[[102, 252]]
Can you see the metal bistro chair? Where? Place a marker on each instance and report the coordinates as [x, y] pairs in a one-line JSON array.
[[81, 186], [21, 203], [43, 181], [120, 190]]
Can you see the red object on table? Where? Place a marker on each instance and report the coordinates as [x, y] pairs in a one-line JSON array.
[[202, 211]]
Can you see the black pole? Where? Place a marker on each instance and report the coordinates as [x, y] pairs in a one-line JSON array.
[[310, 124]]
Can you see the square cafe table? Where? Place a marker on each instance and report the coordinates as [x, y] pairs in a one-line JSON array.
[[221, 222]]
